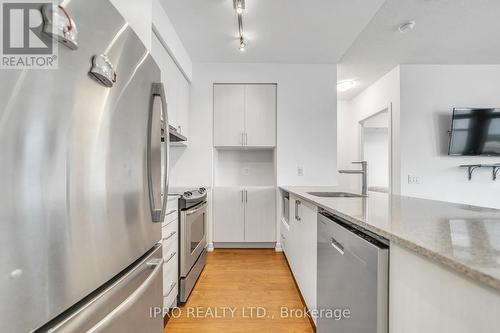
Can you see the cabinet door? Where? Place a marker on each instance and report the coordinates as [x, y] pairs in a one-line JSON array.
[[260, 215], [229, 115], [307, 270], [169, 77], [260, 115], [293, 246], [228, 214], [182, 104]]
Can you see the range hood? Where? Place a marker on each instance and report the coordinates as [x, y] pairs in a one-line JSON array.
[[174, 135]]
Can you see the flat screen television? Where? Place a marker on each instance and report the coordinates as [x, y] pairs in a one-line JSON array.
[[475, 132]]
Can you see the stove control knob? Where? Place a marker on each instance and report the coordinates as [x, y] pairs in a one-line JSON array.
[[202, 190], [188, 194]]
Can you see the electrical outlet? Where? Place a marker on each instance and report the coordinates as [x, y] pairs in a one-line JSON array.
[[245, 171], [300, 171], [412, 179]]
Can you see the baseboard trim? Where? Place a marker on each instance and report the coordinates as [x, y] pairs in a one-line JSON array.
[[278, 247], [210, 247], [244, 245]]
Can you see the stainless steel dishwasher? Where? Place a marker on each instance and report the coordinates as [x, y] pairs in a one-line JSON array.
[[353, 278]]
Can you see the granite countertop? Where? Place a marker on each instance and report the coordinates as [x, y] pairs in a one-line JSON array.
[[463, 237]]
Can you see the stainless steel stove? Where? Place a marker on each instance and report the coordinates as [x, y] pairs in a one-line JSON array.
[[193, 239]]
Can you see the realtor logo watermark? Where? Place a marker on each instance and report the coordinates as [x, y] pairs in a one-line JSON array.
[[24, 44]]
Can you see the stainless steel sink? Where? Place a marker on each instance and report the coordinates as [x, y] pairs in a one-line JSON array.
[[336, 194]]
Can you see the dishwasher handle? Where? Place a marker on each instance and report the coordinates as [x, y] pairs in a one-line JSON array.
[[337, 246]]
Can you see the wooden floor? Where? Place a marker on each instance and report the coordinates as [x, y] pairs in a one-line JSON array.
[[234, 281]]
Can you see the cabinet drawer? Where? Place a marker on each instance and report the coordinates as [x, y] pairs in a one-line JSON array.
[[172, 291], [169, 248], [170, 277], [168, 230], [170, 215]]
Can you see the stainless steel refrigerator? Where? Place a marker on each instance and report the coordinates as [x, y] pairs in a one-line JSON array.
[[81, 185]]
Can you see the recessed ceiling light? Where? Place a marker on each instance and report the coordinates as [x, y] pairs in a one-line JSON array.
[[407, 26], [345, 85]]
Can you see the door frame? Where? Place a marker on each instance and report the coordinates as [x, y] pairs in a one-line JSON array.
[[387, 109]]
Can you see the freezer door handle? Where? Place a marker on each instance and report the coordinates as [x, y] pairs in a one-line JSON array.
[[157, 154], [102, 325]]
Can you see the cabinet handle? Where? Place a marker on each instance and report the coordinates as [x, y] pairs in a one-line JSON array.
[[172, 285], [171, 212], [337, 246], [242, 194], [242, 139], [170, 235], [246, 196], [297, 217], [246, 139], [170, 257]]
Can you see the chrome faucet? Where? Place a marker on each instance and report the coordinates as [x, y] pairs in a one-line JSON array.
[[363, 172]]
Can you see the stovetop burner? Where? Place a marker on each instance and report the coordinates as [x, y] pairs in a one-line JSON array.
[[192, 197]]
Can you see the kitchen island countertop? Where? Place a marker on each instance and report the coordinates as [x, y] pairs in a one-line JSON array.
[[465, 238]]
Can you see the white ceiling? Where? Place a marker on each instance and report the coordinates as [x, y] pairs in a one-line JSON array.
[[446, 32], [278, 31]]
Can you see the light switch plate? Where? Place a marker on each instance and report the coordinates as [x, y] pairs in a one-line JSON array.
[[300, 171]]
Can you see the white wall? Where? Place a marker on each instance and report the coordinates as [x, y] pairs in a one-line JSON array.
[[306, 121], [428, 94], [381, 95]]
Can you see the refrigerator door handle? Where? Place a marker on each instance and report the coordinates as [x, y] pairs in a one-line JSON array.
[[158, 190], [102, 325]]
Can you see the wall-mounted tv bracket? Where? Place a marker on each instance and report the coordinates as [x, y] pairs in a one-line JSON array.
[[471, 167], [495, 171]]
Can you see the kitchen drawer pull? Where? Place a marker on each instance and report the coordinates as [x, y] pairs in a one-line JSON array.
[[174, 220], [171, 212], [337, 246], [297, 217], [170, 235], [172, 286], [170, 257]]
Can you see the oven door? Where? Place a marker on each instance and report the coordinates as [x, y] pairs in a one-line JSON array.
[[193, 236]]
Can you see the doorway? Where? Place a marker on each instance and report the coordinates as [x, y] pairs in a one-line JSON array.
[[375, 148]]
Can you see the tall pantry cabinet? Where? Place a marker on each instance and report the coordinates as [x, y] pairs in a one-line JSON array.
[[244, 164]]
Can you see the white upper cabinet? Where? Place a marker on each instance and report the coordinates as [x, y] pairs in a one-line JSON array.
[[229, 115], [260, 115], [176, 87], [245, 115]]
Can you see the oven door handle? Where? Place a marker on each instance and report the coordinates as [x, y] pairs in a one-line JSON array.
[[197, 209]]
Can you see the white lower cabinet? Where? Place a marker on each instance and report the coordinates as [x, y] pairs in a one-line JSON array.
[[244, 214], [170, 246], [300, 248]]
